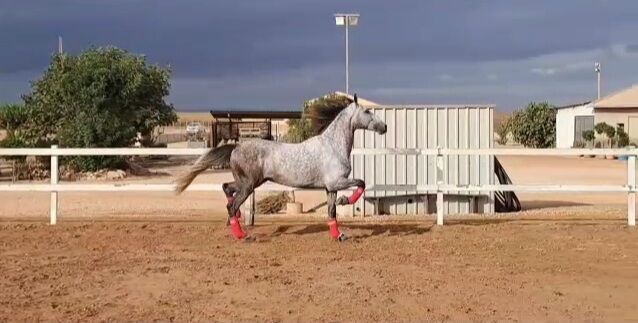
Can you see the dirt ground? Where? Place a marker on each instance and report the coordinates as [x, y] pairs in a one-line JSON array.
[[532, 268], [159, 257]]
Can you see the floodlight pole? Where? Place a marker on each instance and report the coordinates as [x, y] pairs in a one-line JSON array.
[[347, 19], [347, 59]]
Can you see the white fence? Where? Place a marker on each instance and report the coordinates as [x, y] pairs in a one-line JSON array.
[[441, 187]]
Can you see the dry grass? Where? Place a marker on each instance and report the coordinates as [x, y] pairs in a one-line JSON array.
[[273, 203]]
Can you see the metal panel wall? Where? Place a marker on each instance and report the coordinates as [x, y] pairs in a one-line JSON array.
[[426, 127]]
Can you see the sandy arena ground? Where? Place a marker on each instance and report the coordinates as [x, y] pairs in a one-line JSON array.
[[159, 257]]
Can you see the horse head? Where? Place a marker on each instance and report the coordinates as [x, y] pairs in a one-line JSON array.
[[363, 118]]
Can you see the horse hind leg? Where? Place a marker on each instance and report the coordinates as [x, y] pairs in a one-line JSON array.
[[229, 189], [234, 212]]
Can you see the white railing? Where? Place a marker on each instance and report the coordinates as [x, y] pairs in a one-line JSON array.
[[54, 187]]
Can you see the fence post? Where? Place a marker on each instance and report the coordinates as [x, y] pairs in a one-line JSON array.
[[439, 180], [53, 214], [631, 196]]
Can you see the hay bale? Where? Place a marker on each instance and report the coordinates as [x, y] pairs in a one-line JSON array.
[[272, 204]]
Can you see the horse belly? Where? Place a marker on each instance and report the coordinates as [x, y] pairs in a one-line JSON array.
[[294, 170]]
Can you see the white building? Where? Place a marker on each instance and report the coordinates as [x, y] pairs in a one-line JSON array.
[[618, 109], [571, 122]]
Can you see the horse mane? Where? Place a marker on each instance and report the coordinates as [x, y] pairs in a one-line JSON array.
[[323, 111]]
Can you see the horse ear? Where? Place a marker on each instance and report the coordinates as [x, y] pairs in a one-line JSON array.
[[355, 99]]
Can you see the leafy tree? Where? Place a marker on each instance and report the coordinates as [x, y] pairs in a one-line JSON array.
[[535, 126], [99, 98]]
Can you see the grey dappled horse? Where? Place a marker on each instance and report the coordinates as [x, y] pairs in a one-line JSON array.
[[322, 161]]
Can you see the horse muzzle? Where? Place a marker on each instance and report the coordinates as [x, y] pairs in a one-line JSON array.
[[381, 128]]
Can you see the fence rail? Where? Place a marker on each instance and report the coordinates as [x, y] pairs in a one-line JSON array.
[[441, 188]]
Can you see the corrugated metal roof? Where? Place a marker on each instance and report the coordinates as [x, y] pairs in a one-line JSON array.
[[627, 98]]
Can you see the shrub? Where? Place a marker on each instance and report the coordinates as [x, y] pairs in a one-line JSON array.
[[302, 129], [589, 135], [580, 144], [535, 126], [503, 130], [12, 117], [623, 138]]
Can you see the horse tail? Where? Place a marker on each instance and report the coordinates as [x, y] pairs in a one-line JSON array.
[[214, 157]]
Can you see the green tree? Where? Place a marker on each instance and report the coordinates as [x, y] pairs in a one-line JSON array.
[[535, 126], [99, 98]]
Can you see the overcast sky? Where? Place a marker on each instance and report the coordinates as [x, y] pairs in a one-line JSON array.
[[276, 53]]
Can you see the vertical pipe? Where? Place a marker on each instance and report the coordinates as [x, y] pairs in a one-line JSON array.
[[53, 213], [631, 196], [439, 194], [250, 218], [598, 84]]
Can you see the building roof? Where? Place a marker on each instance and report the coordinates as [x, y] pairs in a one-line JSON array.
[[225, 114], [572, 105], [627, 98]]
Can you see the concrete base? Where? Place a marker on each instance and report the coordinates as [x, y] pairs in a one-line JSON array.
[[345, 210], [294, 208]]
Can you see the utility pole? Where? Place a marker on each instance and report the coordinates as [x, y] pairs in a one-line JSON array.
[[60, 50]]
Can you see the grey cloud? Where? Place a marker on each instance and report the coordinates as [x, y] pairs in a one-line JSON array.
[[276, 53]]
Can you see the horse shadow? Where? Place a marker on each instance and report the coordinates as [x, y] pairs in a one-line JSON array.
[[369, 230]]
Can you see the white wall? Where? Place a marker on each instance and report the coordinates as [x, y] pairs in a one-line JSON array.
[[565, 120]]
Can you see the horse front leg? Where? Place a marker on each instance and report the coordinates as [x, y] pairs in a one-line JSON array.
[[332, 217], [346, 183]]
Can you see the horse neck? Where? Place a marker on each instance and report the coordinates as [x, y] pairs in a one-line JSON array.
[[340, 134]]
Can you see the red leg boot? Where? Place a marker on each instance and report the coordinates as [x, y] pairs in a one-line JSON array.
[[235, 227], [334, 231]]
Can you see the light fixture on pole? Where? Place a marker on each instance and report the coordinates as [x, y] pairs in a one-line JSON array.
[[597, 69], [347, 20]]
